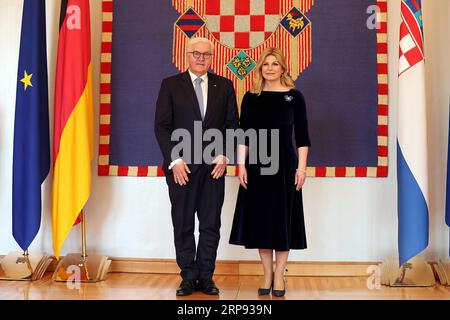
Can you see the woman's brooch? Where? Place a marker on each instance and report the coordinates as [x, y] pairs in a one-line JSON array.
[[288, 98]]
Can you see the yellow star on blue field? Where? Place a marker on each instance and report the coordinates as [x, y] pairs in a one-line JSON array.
[[26, 80]]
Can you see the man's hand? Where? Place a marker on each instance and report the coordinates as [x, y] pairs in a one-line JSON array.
[[220, 166], [180, 173]]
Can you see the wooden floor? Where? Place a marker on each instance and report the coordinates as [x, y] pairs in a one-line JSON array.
[[124, 286]]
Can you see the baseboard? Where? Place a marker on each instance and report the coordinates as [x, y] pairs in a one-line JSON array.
[[239, 267], [243, 267]]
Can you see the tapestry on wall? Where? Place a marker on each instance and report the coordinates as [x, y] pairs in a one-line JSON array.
[[337, 53]]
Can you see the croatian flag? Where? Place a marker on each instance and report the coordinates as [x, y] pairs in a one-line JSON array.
[[412, 176]]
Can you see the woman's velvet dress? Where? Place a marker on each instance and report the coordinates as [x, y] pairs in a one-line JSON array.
[[269, 214]]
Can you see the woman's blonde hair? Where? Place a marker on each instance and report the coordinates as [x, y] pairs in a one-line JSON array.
[[258, 82]]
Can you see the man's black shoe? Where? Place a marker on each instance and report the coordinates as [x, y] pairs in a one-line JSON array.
[[207, 286], [186, 288]]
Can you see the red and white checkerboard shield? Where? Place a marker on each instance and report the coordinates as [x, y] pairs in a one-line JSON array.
[[242, 27], [242, 24]]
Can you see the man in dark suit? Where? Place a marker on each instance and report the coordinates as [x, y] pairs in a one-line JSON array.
[[195, 96]]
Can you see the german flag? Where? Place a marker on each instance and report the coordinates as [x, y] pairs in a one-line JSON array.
[[73, 120]]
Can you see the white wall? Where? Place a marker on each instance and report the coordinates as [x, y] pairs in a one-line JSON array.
[[346, 219]]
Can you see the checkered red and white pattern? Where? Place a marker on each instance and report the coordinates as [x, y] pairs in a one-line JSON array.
[[242, 24], [410, 53], [411, 39]]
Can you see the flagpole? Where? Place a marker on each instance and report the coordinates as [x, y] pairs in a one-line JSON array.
[[73, 72], [26, 258], [31, 148], [443, 265], [412, 166], [83, 235], [84, 255], [80, 266], [447, 187]]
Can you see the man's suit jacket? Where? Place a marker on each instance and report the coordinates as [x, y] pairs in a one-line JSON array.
[[177, 108]]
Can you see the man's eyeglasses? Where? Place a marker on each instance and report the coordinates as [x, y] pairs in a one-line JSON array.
[[197, 55]]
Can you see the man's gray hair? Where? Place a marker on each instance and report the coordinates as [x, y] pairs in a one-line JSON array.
[[199, 40]]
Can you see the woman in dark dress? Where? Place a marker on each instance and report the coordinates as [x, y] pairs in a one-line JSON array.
[[269, 208]]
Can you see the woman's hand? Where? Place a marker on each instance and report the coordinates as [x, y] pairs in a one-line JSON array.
[[243, 176], [300, 177]]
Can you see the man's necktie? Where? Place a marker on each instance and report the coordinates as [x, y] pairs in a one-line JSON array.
[[199, 93]]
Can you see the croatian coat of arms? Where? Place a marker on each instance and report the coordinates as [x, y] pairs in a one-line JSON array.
[[241, 30]]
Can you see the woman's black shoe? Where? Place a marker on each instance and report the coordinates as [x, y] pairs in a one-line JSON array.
[[280, 293], [264, 291]]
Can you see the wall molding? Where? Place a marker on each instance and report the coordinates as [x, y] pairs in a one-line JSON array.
[[242, 267]]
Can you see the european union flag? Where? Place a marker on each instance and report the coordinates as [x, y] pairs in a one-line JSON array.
[[31, 162]]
